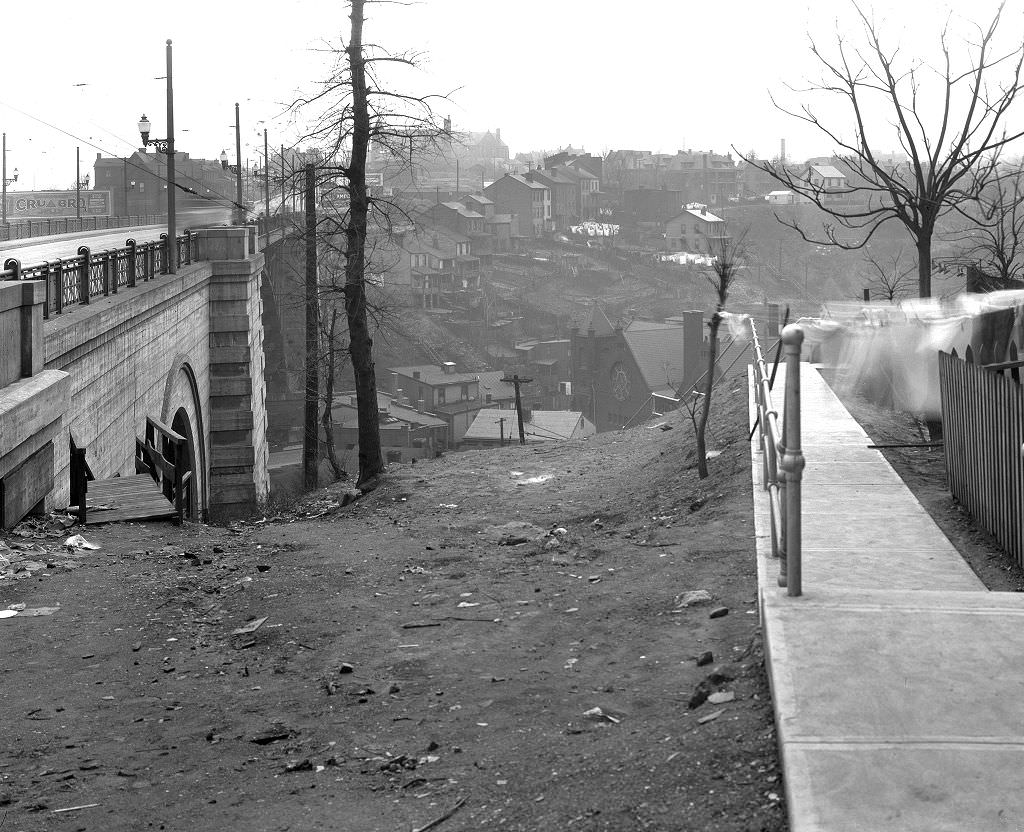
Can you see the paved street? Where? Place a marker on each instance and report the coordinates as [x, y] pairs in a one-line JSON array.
[[38, 249]]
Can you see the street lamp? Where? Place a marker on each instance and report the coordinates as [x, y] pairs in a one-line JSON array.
[[6, 182], [223, 159], [166, 146]]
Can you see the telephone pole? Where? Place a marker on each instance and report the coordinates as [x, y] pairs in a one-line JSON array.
[[517, 381], [310, 435]]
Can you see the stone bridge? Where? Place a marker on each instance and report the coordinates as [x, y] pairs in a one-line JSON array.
[[185, 349]]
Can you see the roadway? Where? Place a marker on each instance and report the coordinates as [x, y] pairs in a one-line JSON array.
[[57, 246]]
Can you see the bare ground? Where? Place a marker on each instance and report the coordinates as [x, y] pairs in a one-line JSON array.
[[415, 658]]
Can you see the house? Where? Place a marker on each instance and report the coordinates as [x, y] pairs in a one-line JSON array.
[[406, 432], [650, 206], [548, 364], [449, 395], [430, 264], [565, 196], [495, 428], [500, 227], [827, 182], [529, 201], [588, 187], [623, 375], [782, 198], [701, 175], [695, 229]]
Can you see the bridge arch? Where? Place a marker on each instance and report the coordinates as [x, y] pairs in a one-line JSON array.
[[183, 411]]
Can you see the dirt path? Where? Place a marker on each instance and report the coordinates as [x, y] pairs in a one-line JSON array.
[[416, 656]]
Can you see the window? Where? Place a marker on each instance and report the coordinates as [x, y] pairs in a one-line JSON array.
[[440, 395], [465, 392]]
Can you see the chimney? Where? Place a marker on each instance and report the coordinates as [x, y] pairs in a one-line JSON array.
[[782, 152], [416, 375], [449, 367], [497, 133], [419, 405], [394, 382], [398, 396]]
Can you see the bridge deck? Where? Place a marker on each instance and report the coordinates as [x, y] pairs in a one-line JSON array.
[[126, 498]]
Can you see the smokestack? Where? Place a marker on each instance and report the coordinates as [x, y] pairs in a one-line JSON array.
[[394, 382], [782, 152]]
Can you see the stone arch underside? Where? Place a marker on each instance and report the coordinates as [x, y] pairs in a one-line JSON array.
[[181, 392]]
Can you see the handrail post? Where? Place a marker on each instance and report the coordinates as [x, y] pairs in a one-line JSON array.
[[132, 262], [83, 278], [792, 462]]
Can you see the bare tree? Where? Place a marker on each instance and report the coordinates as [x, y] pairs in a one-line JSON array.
[[889, 279], [356, 106], [728, 253], [949, 161], [994, 238]]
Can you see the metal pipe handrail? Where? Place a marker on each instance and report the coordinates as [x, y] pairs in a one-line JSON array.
[[75, 280], [782, 460]]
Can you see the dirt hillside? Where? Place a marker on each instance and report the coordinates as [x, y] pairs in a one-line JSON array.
[[501, 635]]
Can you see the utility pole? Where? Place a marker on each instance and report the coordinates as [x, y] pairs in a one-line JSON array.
[[282, 182], [310, 437], [78, 184], [519, 403], [239, 205], [266, 176], [125, 182], [501, 431]]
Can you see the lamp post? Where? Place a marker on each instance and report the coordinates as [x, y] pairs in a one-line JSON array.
[[6, 182], [239, 204], [166, 146]]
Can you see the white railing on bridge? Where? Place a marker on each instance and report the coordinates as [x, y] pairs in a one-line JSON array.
[[782, 460]]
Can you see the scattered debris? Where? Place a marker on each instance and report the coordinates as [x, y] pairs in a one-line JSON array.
[[345, 667], [415, 625], [298, 765], [251, 627], [75, 808], [542, 478], [438, 821], [709, 717], [705, 658], [76, 541], [712, 454], [722, 697], [271, 735], [465, 604], [693, 598], [600, 714], [719, 612]]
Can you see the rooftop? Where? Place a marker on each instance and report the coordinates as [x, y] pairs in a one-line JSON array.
[[541, 426]]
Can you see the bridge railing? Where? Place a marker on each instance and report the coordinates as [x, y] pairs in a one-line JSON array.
[[76, 280], [26, 229], [782, 459]]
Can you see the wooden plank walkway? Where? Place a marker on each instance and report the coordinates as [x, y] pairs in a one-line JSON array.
[[136, 497]]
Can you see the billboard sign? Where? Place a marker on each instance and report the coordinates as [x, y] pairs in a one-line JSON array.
[[42, 204]]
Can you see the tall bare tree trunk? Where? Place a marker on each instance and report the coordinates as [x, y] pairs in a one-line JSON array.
[[709, 383], [327, 420], [371, 462]]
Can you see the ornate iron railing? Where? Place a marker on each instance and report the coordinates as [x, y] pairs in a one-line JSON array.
[[26, 229], [75, 280], [782, 459]]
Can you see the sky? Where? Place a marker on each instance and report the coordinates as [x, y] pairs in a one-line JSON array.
[[661, 75]]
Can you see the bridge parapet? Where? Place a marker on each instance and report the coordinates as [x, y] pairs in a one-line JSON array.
[[186, 349]]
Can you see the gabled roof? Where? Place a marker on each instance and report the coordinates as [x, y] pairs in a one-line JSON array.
[[433, 375], [827, 171], [462, 210], [343, 412], [479, 198], [658, 354], [542, 425], [598, 320], [491, 384]]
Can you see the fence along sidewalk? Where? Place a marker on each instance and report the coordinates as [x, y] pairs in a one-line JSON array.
[[983, 432]]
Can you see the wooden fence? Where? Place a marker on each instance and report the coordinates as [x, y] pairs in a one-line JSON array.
[[983, 428]]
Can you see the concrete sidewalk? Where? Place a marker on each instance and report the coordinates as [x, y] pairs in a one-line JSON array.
[[897, 678]]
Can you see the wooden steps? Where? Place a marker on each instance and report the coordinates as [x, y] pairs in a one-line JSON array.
[[136, 497]]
